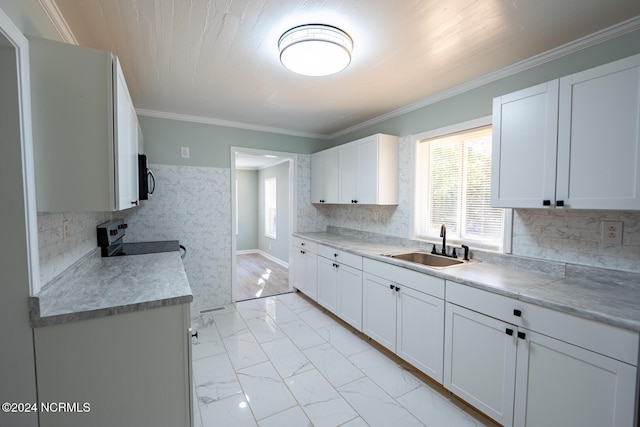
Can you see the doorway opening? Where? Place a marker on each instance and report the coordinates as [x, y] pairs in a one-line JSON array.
[[263, 218]]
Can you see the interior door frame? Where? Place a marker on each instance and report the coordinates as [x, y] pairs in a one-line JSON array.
[[292, 158]]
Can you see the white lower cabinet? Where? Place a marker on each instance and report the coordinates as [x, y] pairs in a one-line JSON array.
[[480, 361], [561, 384], [305, 267], [340, 284], [403, 319], [130, 369], [539, 368]]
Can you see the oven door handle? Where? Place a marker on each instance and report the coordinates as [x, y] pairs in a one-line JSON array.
[[151, 178]]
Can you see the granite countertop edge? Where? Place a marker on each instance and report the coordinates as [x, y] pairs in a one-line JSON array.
[[521, 284], [79, 293]]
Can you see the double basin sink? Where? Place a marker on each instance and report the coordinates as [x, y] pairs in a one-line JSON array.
[[428, 259]]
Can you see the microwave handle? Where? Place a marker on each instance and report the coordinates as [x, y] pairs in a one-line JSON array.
[[152, 180]]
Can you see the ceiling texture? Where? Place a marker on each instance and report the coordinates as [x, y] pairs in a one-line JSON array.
[[218, 60]]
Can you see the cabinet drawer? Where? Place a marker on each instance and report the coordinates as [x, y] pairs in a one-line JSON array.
[[618, 343], [341, 257], [305, 244], [403, 276]]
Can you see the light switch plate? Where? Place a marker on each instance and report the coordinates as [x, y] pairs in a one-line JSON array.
[[184, 152], [612, 232]]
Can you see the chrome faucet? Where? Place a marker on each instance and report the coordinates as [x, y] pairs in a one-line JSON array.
[[443, 234]]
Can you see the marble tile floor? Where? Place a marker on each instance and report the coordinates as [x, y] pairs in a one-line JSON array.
[[283, 361]]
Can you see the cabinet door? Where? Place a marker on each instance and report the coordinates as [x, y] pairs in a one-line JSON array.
[[421, 331], [524, 147], [305, 273], [132, 369], [379, 310], [480, 361], [349, 173], [331, 175], [599, 137], [349, 295], [564, 385], [317, 177], [328, 284], [367, 161], [125, 144]]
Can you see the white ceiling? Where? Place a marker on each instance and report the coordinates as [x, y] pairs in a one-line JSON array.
[[218, 59]]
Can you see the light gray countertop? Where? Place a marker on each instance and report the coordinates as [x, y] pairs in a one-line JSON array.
[[610, 297], [99, 287]]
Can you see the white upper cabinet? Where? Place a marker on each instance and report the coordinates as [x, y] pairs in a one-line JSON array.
[[599, 137], [85, 130], [572, 142], [524, 147], [324, 176], [364, 171]]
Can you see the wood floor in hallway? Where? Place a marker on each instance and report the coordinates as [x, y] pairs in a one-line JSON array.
[[258, 276]]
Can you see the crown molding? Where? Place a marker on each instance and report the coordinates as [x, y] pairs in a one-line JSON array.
[[226, 123], [566, 49], [60, 24]]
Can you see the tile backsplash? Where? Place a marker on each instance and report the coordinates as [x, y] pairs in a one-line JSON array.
[[575, 236], [191, 205], [57, 251]]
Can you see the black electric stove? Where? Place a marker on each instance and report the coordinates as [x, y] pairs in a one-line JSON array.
[[110, 240]]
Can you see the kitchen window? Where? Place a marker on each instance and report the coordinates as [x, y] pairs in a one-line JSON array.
[[270, 207], [453, 187]]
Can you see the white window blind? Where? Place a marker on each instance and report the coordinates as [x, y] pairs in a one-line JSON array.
[[454, 188]]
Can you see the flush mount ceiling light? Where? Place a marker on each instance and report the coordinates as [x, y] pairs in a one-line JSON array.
[[315, 49]]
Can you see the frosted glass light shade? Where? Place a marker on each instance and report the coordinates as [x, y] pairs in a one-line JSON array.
[[315, 50]]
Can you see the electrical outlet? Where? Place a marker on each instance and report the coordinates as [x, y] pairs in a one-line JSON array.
[[612, 232], [184, 152]]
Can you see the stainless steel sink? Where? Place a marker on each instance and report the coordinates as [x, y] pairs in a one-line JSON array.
[[427, 259]]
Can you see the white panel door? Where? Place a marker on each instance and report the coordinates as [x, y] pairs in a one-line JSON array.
[[379, 310], [564, 385], [524, 147], [480, 361], [305, 273], [317, 177], [599, 137], [421, 331], [328, 284], [125, 145], [350, 295], [331, 175], [349, 173], [368, 171]]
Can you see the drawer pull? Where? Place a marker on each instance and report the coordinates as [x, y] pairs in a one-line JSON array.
[[517, 313], [335, 255], [522, 335], [509, 331], [397, 288], [391, 287]]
